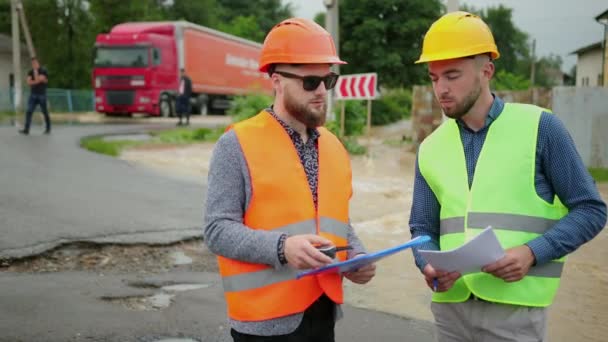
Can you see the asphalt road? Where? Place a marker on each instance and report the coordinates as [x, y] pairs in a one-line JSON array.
[[54, 192]]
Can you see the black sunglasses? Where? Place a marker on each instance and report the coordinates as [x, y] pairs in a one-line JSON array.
[[310, 83]]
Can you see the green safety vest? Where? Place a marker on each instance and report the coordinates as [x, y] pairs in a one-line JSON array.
[[502, 195]]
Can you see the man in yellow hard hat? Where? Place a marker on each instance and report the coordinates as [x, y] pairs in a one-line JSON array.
[[510, 166], [279, 186]]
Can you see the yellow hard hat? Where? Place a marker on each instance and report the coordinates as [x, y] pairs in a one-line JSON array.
[[456, 35]]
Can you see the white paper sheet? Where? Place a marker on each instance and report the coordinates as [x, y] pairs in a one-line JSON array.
[[480, 251]]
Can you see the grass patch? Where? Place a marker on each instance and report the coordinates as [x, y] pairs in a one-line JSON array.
[[353, 147], [188, 136], [599, 174], [5, 116], [179, 136], [110, 148]]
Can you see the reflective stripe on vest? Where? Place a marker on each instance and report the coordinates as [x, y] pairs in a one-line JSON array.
[[502, 195], [522, 223], [281, 201], [269, 276]]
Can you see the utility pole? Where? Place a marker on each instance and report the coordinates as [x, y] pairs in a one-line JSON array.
[[26, 30], [533, 66], [16, 59], [332, 25], [452, 6]]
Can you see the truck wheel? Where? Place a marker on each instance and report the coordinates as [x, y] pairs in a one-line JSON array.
[[202, 105], [203, 109], [165, 107]]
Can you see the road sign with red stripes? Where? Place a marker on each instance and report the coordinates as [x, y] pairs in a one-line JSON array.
[[357, 87]]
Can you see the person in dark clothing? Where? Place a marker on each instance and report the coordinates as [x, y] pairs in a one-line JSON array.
[[37, 79], [183, 98]]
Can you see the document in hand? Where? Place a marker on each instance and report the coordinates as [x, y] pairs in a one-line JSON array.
[[358, 262], [480, 251]]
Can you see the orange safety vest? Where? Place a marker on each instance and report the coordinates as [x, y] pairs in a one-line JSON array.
[[281, 200]]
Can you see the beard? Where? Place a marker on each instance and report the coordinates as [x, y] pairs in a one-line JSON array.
[[462, 108], [304, 113]]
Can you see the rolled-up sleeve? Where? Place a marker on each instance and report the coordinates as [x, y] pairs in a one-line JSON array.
[[424, 217]]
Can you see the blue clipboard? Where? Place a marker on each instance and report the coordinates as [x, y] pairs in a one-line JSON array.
[[354, 263]]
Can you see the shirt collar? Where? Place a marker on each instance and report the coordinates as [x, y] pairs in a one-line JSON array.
[[313, 133], [497, 106]]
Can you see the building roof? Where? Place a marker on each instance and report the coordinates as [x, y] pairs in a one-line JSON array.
[[602, 16], [6, 44], [587, 48]]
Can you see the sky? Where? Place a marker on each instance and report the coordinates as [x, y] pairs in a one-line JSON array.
[[559, 26]]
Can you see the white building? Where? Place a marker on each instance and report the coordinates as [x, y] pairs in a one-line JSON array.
[[589, 65]]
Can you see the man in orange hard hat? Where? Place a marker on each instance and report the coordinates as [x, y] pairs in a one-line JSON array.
[[510, 166], [279, 187]]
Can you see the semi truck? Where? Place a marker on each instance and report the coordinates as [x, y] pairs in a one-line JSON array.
[[137, 66]]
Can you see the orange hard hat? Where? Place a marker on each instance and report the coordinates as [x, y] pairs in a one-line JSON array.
[[456, 35], [298, 41]]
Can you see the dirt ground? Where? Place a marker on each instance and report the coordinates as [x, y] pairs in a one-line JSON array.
[[383, 182]]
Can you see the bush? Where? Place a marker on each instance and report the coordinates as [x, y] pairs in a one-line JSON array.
[[355, 117], [504, 80], [599, 174], [246, 106], [394, 105], [353, 147], [350, 143]]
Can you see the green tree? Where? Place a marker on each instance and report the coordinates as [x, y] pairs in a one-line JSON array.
[[266, 12], [5, 16], [548, 71], [512, 43], [62, 38], [386, 37], [504, 80], [200, 12], [320, 18], [246, 27], [108, 13]]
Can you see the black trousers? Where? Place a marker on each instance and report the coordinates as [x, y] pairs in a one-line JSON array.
[[33, 101], [182, 107], [317, 326]]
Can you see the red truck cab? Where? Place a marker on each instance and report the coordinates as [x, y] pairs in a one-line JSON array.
[[136, 69]]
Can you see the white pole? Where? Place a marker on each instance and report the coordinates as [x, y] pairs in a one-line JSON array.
[[16, 59], [332, 26], [452, 5]]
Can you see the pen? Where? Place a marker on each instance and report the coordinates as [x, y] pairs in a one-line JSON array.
[[435, 284], [330, 251], [343, 248]]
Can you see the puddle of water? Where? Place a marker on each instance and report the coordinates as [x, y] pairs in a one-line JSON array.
[[160, 300], [184, 287], [179, 258]]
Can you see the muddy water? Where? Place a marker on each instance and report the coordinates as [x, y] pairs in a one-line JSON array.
[[380, 208]]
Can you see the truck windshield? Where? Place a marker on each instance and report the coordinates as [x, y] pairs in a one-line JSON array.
[[121, 57]]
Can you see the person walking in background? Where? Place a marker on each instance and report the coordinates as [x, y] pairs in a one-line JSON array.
[[507, 165], [279, 186], [37, 79], [183, 98]]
